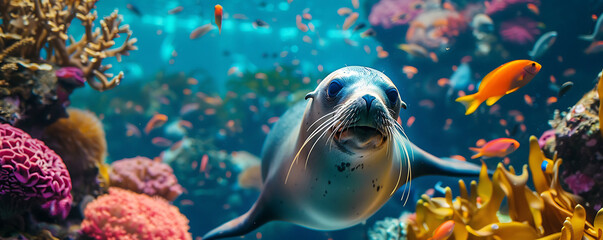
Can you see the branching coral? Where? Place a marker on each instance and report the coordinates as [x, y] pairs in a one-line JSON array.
[[143, 175], [31, 174], [46, 24], [80, 141], [122, 214], [547, 213]]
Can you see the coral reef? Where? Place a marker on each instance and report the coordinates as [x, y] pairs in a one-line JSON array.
[[31, 174], [143, 175], [497, 6], [387, 229], [546, 213], [436, 29], [578, 141], [389, 13], [520, 30], [43, 25], [40, 64], [80, 141], [122, 214]]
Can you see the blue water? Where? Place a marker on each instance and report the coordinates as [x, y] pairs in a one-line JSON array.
[[168, 57]]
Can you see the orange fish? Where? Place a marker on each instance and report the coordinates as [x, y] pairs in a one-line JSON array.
[[218, 12], [500, 147], [200, 31], [157, 121], [350, 20], [444, 231], [501, 81]]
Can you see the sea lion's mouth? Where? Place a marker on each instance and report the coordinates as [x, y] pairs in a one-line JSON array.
[[359, 137]]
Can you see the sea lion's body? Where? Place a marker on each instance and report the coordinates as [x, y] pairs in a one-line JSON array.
[[351, 171]]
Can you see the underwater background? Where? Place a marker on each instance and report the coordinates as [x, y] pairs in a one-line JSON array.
[[195, 103]]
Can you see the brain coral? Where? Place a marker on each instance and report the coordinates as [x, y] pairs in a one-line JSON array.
[[143, 175], [80, 141], [125, 215], [31, 174]]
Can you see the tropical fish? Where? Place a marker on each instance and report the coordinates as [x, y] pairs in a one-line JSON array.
[[350, 20], [597, 34], [134, 9], [218, 12], [259, 23], [500, 147], [594, 47], [156, 121], [368, 33], [501, 81], [176, 10], [414, 50], [444, 231], [359, 26], [543, 44], [344, 11], [566, 86], [200, 31], [460, 79]]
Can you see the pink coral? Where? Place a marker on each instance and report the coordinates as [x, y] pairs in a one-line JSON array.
[[32, 174], [496, 6], [579, 182], [520, 30], [143, 175], [389, 13], [125, 215]]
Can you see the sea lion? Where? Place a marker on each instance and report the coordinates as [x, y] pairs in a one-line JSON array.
[[332, 162]]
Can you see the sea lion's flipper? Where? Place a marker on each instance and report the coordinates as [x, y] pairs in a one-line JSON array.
[[424, 163], [252, 219]]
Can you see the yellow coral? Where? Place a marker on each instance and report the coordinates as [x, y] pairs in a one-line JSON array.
[[44, 23], [547, 213]]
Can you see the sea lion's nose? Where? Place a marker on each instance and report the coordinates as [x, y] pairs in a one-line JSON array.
[[369, 100]]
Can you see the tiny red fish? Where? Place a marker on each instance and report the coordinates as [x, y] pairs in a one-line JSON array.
[[444, 231], [500, 147], [218, 12], [157, 121]]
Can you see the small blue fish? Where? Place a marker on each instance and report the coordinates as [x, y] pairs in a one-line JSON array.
[[597, 33], [543, 44], [460, 79]]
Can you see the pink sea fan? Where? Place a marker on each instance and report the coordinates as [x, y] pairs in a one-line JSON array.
[[125, 215], [32, 174], [496, 6], [389, 13], [520, 31], [143, 175], [579, 182]]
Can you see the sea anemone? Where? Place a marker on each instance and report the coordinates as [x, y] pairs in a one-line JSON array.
[[520, 31], [31, 174], [125, 215], [143, 175], [80, 141]]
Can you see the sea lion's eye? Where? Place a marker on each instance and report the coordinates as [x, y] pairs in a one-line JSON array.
[[334, 88], [392, 96]]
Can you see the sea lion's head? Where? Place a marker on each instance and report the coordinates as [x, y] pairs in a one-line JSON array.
[[356, 108]]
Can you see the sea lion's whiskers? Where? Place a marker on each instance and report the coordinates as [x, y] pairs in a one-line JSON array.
[[338, 127], [314, 133], [316, 141], [326, 115]]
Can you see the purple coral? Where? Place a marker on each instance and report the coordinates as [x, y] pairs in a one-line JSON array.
[[520, 30], [143, 175], [496, 6], [579, 182], [389, 13], [31, 173]]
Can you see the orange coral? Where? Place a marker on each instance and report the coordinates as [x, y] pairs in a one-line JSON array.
[[125, 215], [42, 25], [80, 141]]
